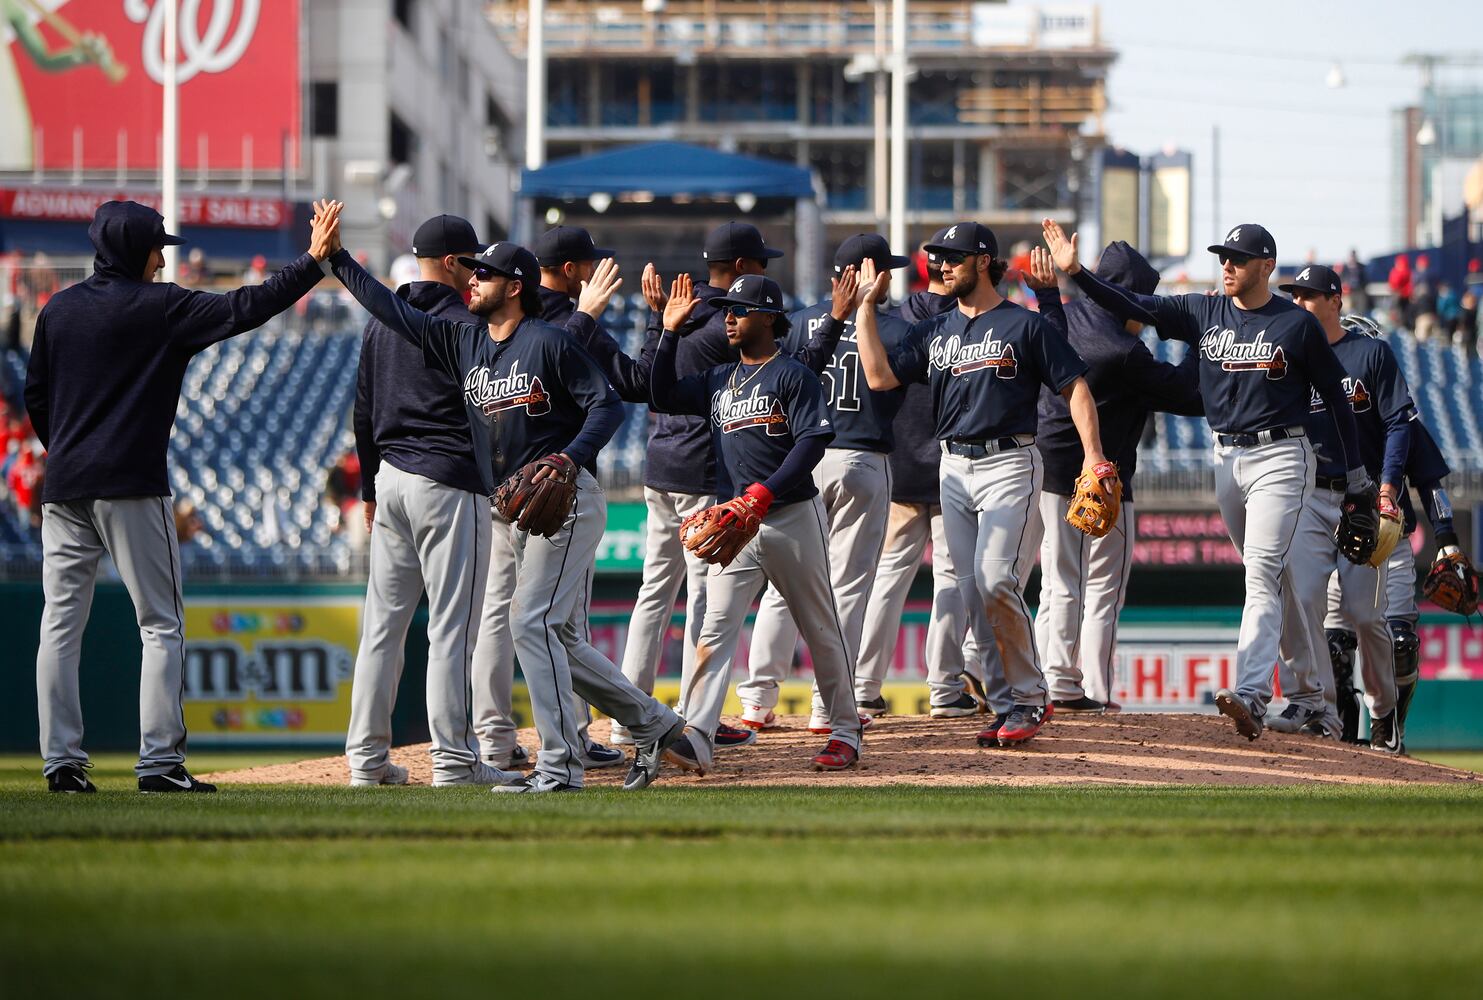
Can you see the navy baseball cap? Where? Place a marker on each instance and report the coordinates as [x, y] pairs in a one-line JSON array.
[[755, 291], [556, 246], [867, 246], [1247, 240], [445, 234], [1315, 278], [509, 259], [966, 238], [936, 238], [737, 240]]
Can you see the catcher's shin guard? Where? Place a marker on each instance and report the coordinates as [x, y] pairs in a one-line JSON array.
[[1342, 644], [1407, 669]]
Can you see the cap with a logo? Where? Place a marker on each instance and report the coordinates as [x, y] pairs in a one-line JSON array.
[[445, 234], [966, 238], [867, 246], [1247, 240], [756, 291], [509, 259], [737, 240], [556, 246], [1316, 278], [936, 238]]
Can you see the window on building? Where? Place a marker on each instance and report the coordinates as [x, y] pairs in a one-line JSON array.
[[324, 109], [405, 11], [402, 145]]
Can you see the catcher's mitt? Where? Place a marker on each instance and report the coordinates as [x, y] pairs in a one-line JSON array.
[[718, 534], [1389, 531], [1099, 497], [539, 497], [1359, 525], [1452, 583]]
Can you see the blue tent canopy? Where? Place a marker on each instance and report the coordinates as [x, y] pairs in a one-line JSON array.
[[666, 169]]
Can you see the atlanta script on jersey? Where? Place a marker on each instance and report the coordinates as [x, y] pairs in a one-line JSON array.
[[985, 373]]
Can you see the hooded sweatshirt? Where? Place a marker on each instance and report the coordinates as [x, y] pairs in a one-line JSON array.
[[681, 458], [915, 459], [1125, 378], [110, 354]]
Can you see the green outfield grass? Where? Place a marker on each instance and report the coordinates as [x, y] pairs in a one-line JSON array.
[[897, 892]]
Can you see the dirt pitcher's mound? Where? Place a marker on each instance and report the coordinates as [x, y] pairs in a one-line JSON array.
[[914, 750]]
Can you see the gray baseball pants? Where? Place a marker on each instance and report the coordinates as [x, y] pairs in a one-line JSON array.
[[428, 535], [949, 648], [139, 534], [791, 550], [1083, 586], [667, 564], [1305, 648], [855, 487], [551, 641], [991, 516], [1399, 600], [1261, 491]]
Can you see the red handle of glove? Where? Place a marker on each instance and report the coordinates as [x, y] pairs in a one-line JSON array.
[[1388, 508], [759, 498], [1105, 470]]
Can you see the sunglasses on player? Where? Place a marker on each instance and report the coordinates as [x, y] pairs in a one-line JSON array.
[[742, 312], [1234, 259], [953, 259]]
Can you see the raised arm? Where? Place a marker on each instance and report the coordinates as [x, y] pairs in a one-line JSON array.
[[1042, 281], [874, 361], [198, 319], [1172, 321], [669, 394], [818, 353]]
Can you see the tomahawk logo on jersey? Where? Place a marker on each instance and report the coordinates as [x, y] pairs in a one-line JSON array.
[[958, 358], [732, 413], [490, 394]]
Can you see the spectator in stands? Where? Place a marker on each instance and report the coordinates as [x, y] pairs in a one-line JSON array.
[[1355, 281], [188, 524], [24, 482], [1423, 319], [38, 283], [1465, 332], [1400, 282], [194, 272], [257, 271]]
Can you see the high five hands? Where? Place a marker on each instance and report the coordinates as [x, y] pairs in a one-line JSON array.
[[324, 237], [1062, 250], [598, 290]]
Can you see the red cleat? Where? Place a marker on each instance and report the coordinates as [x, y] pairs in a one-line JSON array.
[[837, 756]]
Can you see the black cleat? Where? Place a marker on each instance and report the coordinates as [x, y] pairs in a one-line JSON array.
[[1293, 718], [730, 736], [532, 784], [70, 778], [1234, 708], [1385, 734], [874, 707], [1317, 728], [1079, 706], [177, 779], [989, 738], [961, 708]]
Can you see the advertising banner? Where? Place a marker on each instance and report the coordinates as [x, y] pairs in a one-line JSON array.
[[269, 670], [78, 205], [81, 84]]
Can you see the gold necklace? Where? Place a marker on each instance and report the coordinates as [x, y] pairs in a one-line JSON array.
[[736, 390]]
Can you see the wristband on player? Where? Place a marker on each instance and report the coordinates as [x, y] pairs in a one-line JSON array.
[[759, 498]]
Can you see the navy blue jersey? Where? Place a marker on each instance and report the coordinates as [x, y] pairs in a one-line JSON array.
[[862, 417], [680, 456], [1382, 406], [985, 373], [1425, 467], [406, 413], [757, 415], [1256, 365], [915, 460], [1126, 381], [533, 394]]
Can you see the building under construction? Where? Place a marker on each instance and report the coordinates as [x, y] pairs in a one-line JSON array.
[[1005, 103]]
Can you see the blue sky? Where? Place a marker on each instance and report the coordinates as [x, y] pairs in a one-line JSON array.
[[1311, 163]]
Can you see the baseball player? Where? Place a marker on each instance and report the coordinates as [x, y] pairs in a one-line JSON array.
[[1425, 470], [984, 362], [680, 475], [770, 426], [1084, 580], [533, 395], [1261, 357], [102, 386], [425, 508], [568, 258], [915, 518], [1381, 403], [853, 478]]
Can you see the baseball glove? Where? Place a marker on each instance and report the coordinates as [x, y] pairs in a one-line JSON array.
[[1099, 497], [1452, 583], [1389, 533], [718, 534], [539, 497], [1358, 532]]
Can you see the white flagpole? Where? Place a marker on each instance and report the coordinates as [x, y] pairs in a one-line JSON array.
[[170, 153]]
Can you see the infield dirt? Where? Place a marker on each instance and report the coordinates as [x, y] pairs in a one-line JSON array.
[[915, 750]]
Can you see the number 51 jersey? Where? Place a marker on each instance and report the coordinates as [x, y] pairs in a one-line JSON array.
[[862, 416]]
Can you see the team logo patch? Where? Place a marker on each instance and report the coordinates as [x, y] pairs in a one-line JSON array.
[[1259, 355], [491, 395], [1359, 395], [955, 357], [760, 409]]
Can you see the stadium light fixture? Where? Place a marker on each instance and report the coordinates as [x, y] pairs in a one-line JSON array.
[[746, 201], [600, 200]]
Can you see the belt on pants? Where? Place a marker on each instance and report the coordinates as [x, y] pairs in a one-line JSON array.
[[1260, 437], [1338, 484], [985, 448]]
